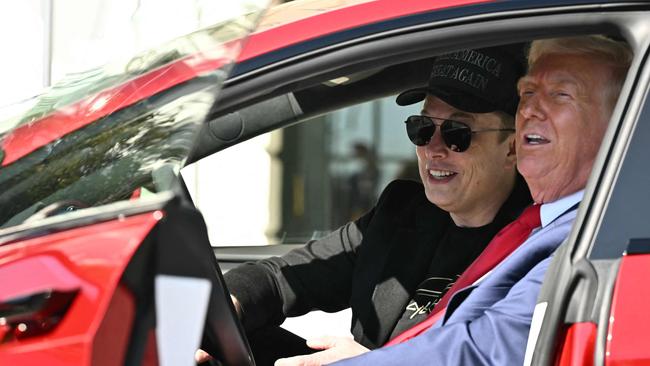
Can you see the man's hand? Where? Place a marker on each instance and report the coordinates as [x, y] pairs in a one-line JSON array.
[[334, 349], [201, 356]]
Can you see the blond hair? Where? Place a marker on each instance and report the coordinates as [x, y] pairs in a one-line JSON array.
[[617, 54]]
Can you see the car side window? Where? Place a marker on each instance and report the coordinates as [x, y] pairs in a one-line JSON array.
[[301, 182], [623, 219]]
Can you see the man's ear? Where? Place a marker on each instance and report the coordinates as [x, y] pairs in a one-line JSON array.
[[511, 145], [511, 157]]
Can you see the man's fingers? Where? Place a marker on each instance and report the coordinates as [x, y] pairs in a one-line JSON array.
[[201, 356], [334, 349], [307, 360], [322, 342]]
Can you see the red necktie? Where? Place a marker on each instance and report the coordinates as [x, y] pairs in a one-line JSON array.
[[504, 243]]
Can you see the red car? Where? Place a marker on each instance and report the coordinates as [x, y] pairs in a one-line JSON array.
[[104, 258]]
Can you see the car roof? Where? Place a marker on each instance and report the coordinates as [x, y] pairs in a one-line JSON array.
[[298, 21], [301, 26]]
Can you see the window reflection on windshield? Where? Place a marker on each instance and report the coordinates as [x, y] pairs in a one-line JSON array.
[[136, 149], [120, 132]]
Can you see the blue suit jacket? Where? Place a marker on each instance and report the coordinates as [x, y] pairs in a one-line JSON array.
[[487, 324]]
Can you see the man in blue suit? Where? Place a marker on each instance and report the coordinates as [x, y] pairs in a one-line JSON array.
[[566, 100]]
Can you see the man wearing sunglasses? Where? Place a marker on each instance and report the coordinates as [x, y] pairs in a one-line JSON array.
[[396, 262]]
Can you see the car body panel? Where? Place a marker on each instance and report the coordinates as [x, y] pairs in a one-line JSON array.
[[626, 345], [89, 259], [578, 345], [294, 23], [36, 134]]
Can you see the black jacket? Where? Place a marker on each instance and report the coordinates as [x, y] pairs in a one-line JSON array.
[[372, 265]]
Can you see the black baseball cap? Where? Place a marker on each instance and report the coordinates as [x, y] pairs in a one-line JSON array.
[[474, 80]]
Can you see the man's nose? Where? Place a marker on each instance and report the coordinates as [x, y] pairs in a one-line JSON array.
[[436, 147], [531, 106]]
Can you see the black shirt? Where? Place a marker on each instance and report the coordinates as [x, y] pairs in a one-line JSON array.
[[455, 252]]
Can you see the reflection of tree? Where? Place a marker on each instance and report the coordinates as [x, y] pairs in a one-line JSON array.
[[76, 86], [103, 162]]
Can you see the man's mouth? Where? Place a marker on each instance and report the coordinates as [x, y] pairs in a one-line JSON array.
[[441, 174], [534, 139]]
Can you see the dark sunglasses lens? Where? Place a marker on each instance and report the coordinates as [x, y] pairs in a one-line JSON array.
[[419, 129], [457, 135]]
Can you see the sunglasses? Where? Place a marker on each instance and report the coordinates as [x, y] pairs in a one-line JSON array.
[[456, 135]]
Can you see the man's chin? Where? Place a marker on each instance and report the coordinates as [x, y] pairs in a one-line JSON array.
[[531, 169], [443, 201]]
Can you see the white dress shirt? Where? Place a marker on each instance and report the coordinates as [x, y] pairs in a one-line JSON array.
[[552, 210]]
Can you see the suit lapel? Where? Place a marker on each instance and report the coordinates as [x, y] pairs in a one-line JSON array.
[[512, 269], [456, 300]]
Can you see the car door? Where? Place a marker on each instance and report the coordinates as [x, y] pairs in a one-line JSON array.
[[88, 177]]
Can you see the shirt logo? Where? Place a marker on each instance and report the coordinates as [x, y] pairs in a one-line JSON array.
[[427, 295]]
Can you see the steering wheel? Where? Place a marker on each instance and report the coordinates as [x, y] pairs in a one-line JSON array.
[[183, 249]]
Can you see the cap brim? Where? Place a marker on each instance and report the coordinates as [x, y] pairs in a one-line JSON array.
[[411, 96], [457, 99]]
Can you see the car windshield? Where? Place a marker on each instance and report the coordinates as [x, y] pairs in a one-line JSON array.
[[118, 132]]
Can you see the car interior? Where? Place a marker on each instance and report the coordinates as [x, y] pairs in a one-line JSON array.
[[303, 100]]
